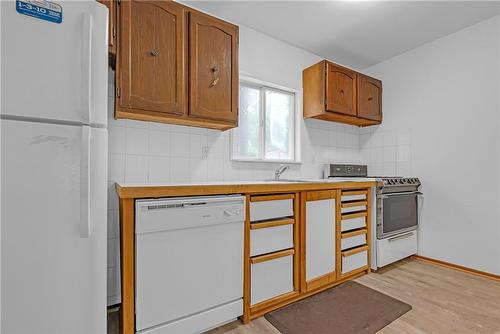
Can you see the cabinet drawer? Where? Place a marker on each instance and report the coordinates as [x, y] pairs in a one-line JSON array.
[[353, 195], [271, 278], [348, 224], [263, 210], [354, 259], [270, 239], [396, 248], [353, 241], [353, 209], [346, 198]]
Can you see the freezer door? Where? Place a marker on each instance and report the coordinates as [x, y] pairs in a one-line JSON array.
[[53, 280], [55, 71]]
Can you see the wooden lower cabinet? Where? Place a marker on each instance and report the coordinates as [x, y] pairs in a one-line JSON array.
[[331, 244], [299, 240], [271, 252]]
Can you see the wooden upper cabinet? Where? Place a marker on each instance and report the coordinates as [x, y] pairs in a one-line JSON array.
[[338, 94], [340, 90], [157, 80], [151, 57], [369, 98], [213, 68]]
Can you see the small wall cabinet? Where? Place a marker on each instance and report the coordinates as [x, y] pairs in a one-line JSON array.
[[176, 65], [339, 94]]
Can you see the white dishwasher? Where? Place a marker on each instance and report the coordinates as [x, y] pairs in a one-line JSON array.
[[189, 263]]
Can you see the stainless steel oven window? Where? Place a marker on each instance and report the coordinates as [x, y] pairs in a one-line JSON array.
[[399, 213]]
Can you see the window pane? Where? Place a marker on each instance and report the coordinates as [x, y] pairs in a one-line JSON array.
[[279, 125], [246, 137]]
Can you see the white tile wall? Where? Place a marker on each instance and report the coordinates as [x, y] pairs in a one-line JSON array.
[[387, 152], [146, 152]]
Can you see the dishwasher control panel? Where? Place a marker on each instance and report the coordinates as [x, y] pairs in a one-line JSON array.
[[176, 213]]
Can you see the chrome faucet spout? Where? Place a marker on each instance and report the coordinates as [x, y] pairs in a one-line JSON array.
[[281, 169]]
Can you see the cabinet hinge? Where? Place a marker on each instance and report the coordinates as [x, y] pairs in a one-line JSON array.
[[114, 32], [118, 91]]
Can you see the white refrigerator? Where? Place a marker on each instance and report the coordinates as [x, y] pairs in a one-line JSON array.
[[53, 166]]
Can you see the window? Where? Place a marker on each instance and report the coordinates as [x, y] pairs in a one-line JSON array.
[[266, 128]]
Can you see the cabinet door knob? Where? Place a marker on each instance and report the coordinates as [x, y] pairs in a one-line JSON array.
[[342, 91], [370, 99], [155, 53]]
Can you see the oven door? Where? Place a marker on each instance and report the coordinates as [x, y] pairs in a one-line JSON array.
[[397, 213]]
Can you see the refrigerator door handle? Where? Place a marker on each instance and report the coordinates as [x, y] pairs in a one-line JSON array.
[[87, 65], [85, 212]]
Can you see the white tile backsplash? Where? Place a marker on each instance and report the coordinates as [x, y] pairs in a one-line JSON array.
[[116, 139], [159, 169], [137, 141], [179, 145], [136, 168], [159, 143], [387, 152], [179, 169], [196, 144]]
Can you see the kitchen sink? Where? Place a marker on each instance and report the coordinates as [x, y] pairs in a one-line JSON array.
[[287, 180]]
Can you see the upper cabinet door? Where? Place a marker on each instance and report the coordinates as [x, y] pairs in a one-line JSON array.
[[340, 90], [213, 68], [369, 98], [152, 56]]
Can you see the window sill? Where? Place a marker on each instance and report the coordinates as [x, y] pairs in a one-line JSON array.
[[284, 162]]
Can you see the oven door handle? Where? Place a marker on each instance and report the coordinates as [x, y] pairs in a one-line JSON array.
[[401, 236], [417, 193]]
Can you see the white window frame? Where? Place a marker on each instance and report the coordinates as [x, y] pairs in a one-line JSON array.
[[297, 112]]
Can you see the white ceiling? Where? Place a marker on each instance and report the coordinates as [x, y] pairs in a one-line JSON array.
[[354, 33]]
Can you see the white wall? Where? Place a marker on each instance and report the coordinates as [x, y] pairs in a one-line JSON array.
[[152, 152], [445, 96]]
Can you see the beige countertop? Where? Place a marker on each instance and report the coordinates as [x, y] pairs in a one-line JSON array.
[[141, 190]]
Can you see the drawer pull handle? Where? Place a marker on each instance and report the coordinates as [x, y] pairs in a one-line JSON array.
[[272, 223], [271, 256], [370, 99], [155, 53], [402, 236]]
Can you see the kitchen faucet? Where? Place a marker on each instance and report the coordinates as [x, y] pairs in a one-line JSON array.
[[281, 169]]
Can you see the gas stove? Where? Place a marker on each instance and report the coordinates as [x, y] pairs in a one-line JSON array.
[[385, 184]]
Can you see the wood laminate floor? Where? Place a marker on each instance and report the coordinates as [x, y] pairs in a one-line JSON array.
[[443, 300]]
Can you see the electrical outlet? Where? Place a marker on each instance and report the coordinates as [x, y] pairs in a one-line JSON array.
[[204, 152]]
